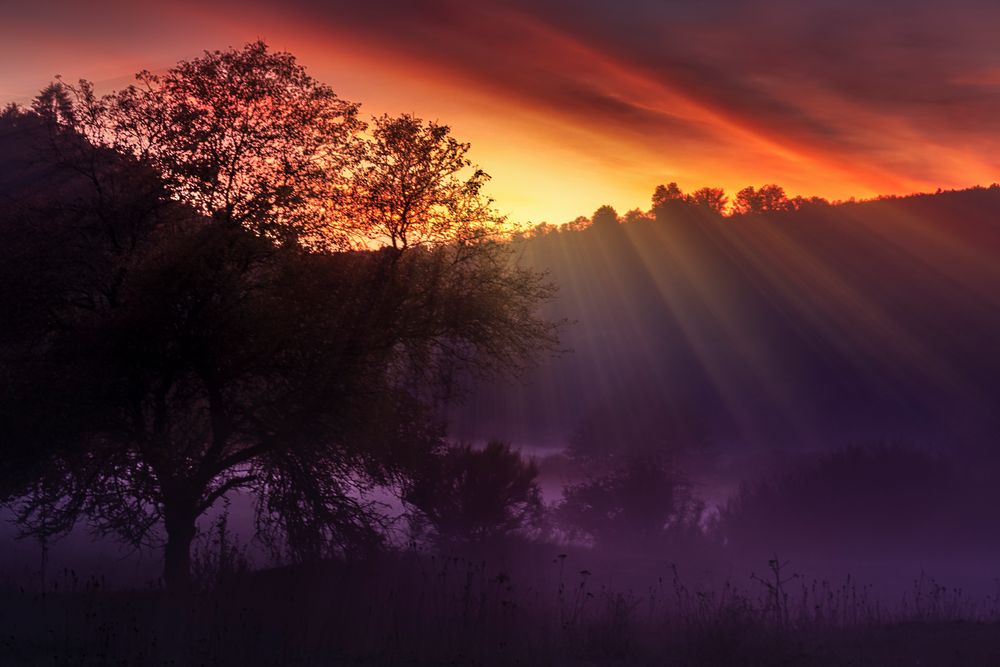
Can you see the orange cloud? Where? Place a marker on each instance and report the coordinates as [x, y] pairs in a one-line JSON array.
[[571, 105]]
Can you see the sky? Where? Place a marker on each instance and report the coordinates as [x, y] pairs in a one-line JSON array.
[[570, 105]]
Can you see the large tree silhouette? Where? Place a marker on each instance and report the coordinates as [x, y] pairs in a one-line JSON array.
[[244, 136], [192, 328]]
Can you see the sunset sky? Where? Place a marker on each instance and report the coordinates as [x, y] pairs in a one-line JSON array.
[[570, 105]]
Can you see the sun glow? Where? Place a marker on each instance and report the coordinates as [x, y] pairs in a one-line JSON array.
[[563, 123]]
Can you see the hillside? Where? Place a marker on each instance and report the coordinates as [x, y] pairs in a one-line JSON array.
[[823, 326], [828, 325]]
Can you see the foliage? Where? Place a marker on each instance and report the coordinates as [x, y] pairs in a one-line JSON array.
[[54, 105], [713, 199], [246, 137], [185, 336], [605, 217], [469, 494], [634, 216], [408, 187], [766, 199], [663, 195], [400, 609], [638, 501]]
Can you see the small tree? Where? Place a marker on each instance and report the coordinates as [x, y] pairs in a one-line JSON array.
[[768, 199], [605, 217], [10, 112], [712, 199], [578, 224], [634, 216], [472, 495], [800, 203], [664, 194], [55, 105], [637, 502], [412, 184]]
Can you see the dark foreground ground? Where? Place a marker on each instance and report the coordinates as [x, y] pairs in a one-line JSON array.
[[409, 610]]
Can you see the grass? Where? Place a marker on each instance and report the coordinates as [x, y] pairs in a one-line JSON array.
[[411, 609]]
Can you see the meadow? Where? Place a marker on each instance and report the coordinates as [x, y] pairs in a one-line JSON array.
[[529, 609]]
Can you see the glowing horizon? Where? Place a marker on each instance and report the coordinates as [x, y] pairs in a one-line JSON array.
[[569, 110]]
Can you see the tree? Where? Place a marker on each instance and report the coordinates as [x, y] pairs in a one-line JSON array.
[[408, 186], [768, 199], [541, 229], [800, 203], [246, 137], [637, 502], [474, 495], [634, 216], [53, 104], [713, 199], [177, 346], [663, 194], [11, 111], [667, 199], [605, 217], [578, 224]]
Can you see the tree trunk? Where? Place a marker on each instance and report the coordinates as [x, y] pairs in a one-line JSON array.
[[180, 525]]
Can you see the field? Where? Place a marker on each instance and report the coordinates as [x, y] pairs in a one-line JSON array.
[[410, 609]]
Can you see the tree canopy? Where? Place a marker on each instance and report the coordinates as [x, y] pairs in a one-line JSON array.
[[605, 217], [474, 495], [766, 199], [637, 501], [408, 188], [246, 137], [197, 322]]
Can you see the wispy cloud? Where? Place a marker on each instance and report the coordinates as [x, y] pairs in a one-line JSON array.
[[602, 100]]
